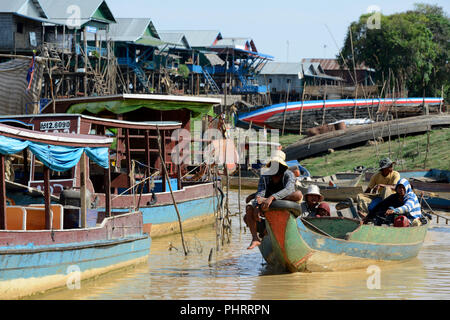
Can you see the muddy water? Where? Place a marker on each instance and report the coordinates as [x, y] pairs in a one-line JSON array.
[[236, 273]]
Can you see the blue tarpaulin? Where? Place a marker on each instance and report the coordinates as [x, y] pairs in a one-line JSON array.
[[57, 158]]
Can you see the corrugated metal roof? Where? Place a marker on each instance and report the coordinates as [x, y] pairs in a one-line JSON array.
[[132, 30], [26, 8], [200, 38], [176, 38], [333, 64], [64, 11], [246, 44], [286, 68]]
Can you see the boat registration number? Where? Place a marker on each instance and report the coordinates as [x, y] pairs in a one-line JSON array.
[[55, 125]]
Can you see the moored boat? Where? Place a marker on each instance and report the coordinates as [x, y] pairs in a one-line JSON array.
[[333, 243], [134, 122], [46, 245], [316, 111]]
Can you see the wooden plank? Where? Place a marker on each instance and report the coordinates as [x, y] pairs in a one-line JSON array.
[[48, 217], [2, 194]]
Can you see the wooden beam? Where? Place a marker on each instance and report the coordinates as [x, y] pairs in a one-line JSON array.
[[108, 190], [128, 155], [147, 158], [163, 164], [2, 193], [83, 190], [47, 193]]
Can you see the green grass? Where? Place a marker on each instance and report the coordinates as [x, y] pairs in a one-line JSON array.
[[409, 152]]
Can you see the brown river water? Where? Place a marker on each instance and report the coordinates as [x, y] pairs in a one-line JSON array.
[[239, 274]]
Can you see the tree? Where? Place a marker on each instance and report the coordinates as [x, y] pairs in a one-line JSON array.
[[412, 46]]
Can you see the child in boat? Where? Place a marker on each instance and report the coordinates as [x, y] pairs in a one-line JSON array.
[[313, 199], [403, 202], [276, 183], [323, 210]]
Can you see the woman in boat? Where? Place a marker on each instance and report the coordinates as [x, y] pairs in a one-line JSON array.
[[277, 183], [403, 202]]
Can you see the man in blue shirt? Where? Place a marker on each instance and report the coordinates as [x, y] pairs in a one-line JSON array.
[[276, 183]]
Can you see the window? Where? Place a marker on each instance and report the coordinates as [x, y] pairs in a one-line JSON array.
[[19, 27], [270, 80]]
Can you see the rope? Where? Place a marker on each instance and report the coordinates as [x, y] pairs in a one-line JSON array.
[[140, 182]]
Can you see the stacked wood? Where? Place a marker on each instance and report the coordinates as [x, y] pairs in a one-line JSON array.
[[325, 128]]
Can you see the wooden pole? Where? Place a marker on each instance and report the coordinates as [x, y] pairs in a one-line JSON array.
[[147, 158], [85, 61], [83, 190], [171, 193], [301, 110], [107, 173], [48, 215], [285, 108], [2, 193]]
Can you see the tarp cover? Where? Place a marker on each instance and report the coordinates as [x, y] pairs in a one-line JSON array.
[[57, 158], [124, 106], [15, 96]]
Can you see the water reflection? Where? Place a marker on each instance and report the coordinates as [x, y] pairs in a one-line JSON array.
[[236, 273]]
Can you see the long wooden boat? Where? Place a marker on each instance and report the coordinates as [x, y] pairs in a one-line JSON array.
[[329, 111], [311, 146], [135, 121], [333, 243], [45, 246]]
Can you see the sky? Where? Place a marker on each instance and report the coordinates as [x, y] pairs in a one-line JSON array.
[[289, 30]]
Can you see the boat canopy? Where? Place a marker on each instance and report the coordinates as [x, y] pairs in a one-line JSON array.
[[59, 152]]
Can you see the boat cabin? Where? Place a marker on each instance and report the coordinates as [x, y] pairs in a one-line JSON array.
[[135, 150]]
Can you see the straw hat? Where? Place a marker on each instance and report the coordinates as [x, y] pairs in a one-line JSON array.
[[313, 189], [278, 156]]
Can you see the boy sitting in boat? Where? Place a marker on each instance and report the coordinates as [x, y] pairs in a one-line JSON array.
[[382, 183], [403, 203], [276, 183], [313, 201]]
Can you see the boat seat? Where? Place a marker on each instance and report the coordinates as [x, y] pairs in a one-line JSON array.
[[36, 217], [16, 218], [57, 211]]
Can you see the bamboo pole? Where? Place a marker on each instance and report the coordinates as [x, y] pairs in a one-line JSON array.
[[301, 110], [171, 193], [285, 108]]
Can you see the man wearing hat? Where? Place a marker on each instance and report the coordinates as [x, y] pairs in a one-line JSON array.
[[381, 185], [276, 183]]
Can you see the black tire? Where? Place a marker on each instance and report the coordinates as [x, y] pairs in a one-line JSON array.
[[291, 206]]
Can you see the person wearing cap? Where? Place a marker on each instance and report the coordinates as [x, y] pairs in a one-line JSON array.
[[313, 199], [381, 185], [276, 183]]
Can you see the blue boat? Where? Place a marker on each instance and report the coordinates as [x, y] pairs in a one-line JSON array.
[[45, 246]]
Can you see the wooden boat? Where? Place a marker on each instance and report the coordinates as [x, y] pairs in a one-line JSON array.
[[134, 121], [332, 243], [44, 246], [336, 187], [328, 111], [196, 201], [311, 146]]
